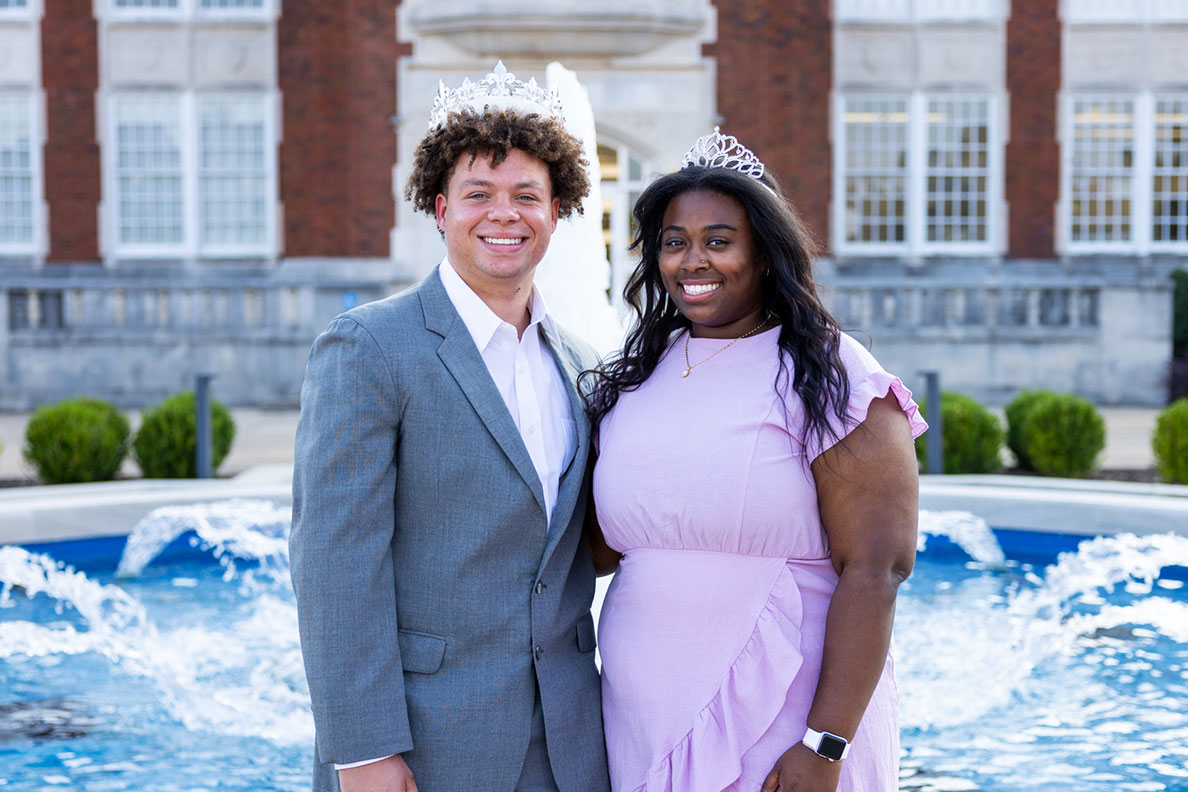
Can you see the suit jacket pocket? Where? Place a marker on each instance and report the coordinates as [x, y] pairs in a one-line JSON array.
[[420, 653], [585, 634]]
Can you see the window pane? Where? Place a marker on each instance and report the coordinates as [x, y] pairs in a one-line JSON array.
[[149, 170], [875, 169], [957, 171], [16, 169], [1102, 161], [154, 4], [1170, 195], [231, 4], [233, 171], [13, 4]]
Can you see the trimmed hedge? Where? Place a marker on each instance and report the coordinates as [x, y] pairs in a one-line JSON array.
[[166, 441], [1017, 412], [1169, 442], [971, 436], [1063, 435], [76, 440]]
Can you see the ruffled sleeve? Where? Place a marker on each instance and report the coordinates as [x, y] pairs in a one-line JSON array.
[[868, 381]]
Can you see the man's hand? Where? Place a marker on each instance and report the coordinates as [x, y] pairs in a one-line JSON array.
[[386, 775]]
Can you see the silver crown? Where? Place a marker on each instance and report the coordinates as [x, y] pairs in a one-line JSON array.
[[498, 89], [723, 151]]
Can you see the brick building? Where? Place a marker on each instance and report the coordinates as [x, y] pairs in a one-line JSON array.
[[199, 185]]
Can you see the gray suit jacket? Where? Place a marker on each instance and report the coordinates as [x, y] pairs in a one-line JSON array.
[[430, 602]]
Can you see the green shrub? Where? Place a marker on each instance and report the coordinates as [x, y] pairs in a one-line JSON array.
[[1170, 442], [76, 440], [971, 436], [1017, 411], [1063, 435], [165, 443]]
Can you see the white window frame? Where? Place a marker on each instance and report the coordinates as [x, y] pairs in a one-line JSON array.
[[30, 10], [916, 11], [618, 195], [191, 246], [915, 243], [1114, 12], [37, 243], [1142, 169], [190, 10]]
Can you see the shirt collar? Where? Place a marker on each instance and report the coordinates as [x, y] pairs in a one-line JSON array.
[[478, 317]]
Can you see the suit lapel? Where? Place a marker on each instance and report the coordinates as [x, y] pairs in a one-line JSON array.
[[571, 480], [462, 359]]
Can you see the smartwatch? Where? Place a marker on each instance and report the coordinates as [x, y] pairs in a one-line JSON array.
[[828, 745]]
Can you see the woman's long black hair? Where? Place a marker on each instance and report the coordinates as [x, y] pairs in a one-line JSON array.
[[809, 335]]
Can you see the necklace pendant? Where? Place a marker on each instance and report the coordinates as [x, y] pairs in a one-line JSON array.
[[684, 373]]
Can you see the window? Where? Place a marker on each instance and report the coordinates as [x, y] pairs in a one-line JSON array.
[[149, 173], [186, 9], [624, 175], [1126, 174], [16, 9], [1125, 11], [233, 183], [917, 174], [1102, 161], [905, 11], [958, 170], [20, 178], [1170, 179], [193, 175]]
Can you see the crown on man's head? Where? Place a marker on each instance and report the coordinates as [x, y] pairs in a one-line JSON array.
[[498, 90]]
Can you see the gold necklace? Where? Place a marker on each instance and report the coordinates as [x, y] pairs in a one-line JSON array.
[[690, 366]]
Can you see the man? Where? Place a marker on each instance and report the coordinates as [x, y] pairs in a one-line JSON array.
[[443, 598]]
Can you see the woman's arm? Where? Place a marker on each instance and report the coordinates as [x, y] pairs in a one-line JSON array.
[[868, 492], [606, 559]]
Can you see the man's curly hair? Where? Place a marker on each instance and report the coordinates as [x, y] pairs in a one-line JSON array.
[[495, 133]]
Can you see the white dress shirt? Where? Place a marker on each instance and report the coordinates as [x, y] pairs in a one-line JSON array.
[[527, 376], [530, 382]]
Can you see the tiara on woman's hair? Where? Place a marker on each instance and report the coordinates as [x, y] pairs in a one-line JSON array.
[[498, 90], [716, 150]]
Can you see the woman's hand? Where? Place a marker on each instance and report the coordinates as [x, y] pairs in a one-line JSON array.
[[801, 770]]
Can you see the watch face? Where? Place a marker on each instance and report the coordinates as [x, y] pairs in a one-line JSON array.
[[831, 747]]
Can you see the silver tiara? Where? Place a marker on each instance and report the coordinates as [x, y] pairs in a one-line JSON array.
[[499, 89], [724, 151]]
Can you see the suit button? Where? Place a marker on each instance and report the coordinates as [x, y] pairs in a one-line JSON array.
[[538, 651], [540, 587]]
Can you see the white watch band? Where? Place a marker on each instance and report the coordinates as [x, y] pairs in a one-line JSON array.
[[813, 740]]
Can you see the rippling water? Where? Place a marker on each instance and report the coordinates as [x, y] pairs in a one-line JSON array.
[[186, 676]]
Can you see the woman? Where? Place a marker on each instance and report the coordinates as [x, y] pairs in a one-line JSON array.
[[756, 474]]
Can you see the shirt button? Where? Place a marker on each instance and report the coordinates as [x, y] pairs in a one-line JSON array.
[[538, 651], [531, 429], [540, 587]]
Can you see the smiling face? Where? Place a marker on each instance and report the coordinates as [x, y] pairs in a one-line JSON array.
[[709, 263], [497, 220]]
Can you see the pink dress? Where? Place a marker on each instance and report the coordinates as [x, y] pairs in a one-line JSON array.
[[712, 630]]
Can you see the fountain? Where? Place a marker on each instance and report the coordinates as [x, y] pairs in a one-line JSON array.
[[1011, 676]]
